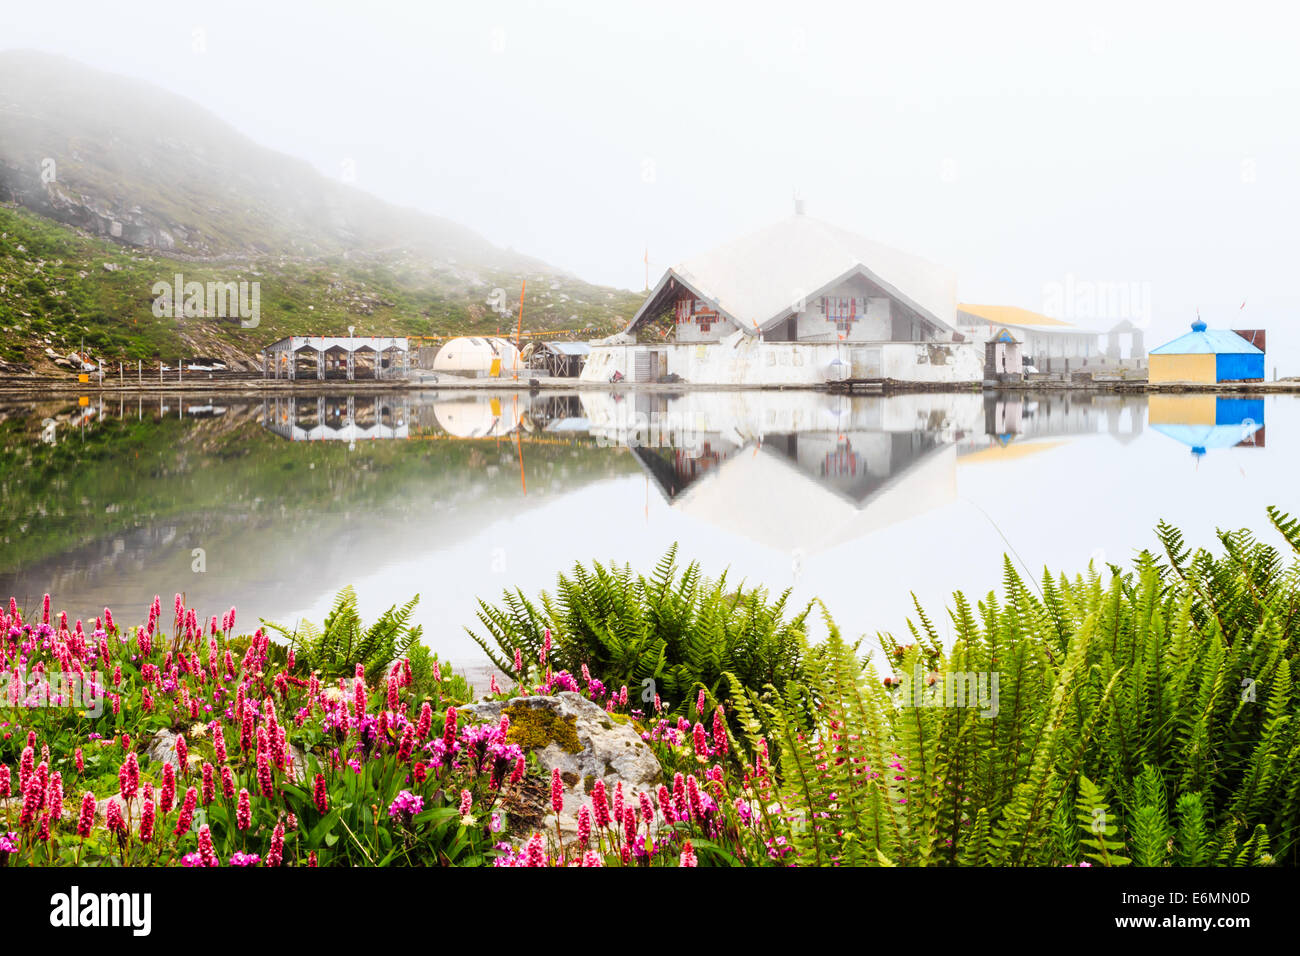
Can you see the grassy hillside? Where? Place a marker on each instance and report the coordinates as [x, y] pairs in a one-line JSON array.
[[109, 185], [59, 287]]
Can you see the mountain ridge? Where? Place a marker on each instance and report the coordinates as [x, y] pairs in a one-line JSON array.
[[166, 183]]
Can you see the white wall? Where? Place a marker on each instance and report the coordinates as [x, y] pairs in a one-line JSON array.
[[875, 326], [753, 362], [691, 331]]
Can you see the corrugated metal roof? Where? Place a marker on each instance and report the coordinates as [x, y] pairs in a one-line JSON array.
[[757, 279], [1205, 341], [569, 348]]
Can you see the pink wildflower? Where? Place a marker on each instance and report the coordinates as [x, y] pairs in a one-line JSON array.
[[534, 852], [265, 781], [147, 817], [209, 784], [275, 855], [86, 819], [54, 796], [206, 850], [167, 793], [186, 816], [320, 795], [557, 791], [227, 782], [449, 731], [600, 804], [113, 817]]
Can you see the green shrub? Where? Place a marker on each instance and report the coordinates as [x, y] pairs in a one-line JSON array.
[[341, 643], [673, 633], [1170, 685]]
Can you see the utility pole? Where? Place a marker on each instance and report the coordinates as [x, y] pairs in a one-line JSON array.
[[519, 330]]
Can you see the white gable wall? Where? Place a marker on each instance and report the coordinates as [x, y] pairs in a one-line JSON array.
[[876, 325], [693, 332]]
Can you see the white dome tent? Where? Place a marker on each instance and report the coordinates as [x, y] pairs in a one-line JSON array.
[[472, 355]]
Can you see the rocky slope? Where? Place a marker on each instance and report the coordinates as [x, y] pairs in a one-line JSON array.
[[147, 184]]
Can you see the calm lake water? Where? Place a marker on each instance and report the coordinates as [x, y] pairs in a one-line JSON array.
[[274, 505]]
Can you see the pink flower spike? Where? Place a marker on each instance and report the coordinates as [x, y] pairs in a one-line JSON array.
[[86, 820], [557, 791], [320, 795]]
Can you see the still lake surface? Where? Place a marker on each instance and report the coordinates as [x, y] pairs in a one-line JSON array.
[[273, 505]]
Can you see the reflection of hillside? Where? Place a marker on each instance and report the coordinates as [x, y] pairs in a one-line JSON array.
[[130, 498]]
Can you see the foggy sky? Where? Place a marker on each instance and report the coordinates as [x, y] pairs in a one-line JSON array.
[[1016, 144]]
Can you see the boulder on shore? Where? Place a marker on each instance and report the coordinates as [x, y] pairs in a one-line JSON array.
[[570, 733]]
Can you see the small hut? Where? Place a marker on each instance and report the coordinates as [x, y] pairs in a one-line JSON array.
[[1002, 358], [1208, 356], [561, 359]]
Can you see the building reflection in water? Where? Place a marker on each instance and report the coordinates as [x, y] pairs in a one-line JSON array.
[[1207, 422], [798, 471]]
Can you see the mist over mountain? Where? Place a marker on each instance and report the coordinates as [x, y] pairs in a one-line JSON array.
[[166, 181], [140, 164]]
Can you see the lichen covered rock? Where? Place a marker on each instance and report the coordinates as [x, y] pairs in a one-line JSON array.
[[576, 736]]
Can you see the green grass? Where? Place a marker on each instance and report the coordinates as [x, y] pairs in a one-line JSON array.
[[55, 292]]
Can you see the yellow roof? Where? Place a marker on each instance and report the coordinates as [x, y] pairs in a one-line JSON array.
[[1016, 449], [1010, 315]]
